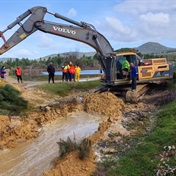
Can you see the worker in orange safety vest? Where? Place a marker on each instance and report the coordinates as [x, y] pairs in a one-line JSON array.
[[72, 72], [18, 73], [64, 73]]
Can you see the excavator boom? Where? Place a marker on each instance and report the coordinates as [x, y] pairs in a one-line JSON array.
[[79, 31], [25, 29]]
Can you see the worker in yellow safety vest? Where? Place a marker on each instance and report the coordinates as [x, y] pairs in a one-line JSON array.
[[77, 73], [125, 69]]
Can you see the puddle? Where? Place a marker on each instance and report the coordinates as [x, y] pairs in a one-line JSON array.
[[35, 157]]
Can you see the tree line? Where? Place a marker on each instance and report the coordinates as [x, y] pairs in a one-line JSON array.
[[84, 62], [58, 61]]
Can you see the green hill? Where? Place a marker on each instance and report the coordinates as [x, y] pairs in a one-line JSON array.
[[153, 47]]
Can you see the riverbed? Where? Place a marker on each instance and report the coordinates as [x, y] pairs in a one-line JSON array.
[[36, 156]]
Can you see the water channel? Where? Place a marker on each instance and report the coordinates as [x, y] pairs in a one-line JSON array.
[[32, 158], [83, 72]]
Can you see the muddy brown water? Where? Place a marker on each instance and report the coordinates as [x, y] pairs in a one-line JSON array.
[[33, 158]]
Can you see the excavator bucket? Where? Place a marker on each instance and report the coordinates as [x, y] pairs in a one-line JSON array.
[[134, 96]]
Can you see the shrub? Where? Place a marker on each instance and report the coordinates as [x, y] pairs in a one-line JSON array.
[[10, 100], [68, 146]]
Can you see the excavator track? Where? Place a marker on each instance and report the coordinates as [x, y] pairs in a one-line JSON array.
[[125, 91]]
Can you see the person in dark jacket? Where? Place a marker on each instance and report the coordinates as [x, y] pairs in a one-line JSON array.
[[133, 71], [51, 72], [2, 71]]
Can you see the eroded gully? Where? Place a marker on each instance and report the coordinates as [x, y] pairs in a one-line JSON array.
[[35, 157]]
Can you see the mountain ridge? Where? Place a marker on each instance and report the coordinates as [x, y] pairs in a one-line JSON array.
[[154, 47]]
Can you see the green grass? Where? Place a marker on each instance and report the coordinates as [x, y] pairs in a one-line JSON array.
[[45, 77], [143, 158], [64, 88]]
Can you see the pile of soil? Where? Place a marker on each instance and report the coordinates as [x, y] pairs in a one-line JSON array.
[[72, 165], [14, 130], [92, 103], [105, 103]]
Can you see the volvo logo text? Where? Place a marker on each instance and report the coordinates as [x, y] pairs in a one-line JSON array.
[[64, 30]]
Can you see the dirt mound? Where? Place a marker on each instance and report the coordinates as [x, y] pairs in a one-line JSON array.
[[36, 97], [4, 82], [105, 104], [72, 165], [14, 129]]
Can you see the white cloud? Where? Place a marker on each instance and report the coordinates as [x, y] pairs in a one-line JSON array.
[[140, 21], [24, 52], [21, 53], [154, 26], [72, 12], [44, 41], [117, 25], [114, 29], [155, 19], [137, 7]]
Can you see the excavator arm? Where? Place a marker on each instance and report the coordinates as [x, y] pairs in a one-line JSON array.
[[25, 29], [79, 31]]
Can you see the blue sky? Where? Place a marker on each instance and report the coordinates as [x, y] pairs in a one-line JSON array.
[[125, 23]]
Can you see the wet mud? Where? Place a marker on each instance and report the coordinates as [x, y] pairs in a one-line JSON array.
[[36, 156]]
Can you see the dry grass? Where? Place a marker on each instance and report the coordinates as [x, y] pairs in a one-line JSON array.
[[70, 145]]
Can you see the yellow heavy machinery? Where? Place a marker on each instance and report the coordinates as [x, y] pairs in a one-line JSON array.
[[148, 70], [155, 70]]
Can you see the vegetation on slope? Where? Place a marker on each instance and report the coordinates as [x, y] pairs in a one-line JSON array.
[[10, 100], [150, 154]]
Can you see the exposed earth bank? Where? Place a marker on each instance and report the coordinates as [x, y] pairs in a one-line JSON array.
[[46, 109]]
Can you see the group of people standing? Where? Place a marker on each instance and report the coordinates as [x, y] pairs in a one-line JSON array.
[[70, 72]]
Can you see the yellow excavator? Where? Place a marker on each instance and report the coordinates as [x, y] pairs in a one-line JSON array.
[[155, 70], [148, 70]]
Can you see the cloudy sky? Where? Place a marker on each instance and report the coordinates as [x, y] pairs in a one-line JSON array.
[[125, 23]]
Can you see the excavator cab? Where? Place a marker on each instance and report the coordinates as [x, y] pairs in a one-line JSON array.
[[118, 73], [149, 70]]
